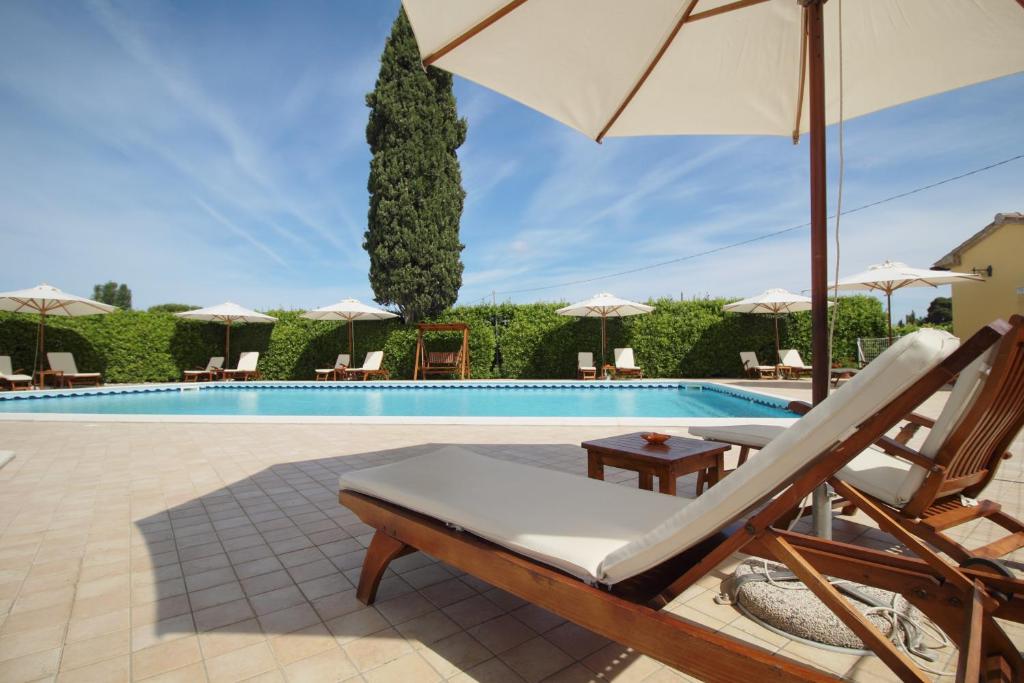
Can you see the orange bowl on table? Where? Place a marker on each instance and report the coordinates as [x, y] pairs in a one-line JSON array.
[[656, 438]]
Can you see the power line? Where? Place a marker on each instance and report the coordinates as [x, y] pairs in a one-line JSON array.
[[765, 236]]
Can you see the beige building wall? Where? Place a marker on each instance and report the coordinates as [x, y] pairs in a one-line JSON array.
[[977, 303]]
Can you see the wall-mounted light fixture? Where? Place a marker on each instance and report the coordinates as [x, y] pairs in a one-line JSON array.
[[986, 271]]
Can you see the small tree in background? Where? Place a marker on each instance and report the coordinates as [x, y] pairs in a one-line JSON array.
[[114, 294], [171, 308], [940, 310], [415, 183]]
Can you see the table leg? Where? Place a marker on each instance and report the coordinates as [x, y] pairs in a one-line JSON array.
[[646, 481], [667, 483], [595, 466], [715, 472]]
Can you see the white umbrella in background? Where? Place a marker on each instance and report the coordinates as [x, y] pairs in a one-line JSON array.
[[693, 67], [227, 313], [605, 306], [889, 276], [349, 310], [46, 300], [774, 302]]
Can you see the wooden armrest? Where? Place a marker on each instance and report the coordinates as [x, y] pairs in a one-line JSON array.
[[919, 420], [895, 448], [914, 422], [799, 407]]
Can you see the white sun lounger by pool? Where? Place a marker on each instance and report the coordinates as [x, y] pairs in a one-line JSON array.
[[340, 364], [13, 379], [791, 360], [752, 366], [585, 368], [213, 366], [65, 363], [246, 369], [371, 367], [625, 364]]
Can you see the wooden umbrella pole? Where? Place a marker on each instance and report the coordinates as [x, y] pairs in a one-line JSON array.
[[227, 343], [351, 343], [819, 224], [604, 341], [42, 346], [822, 509]]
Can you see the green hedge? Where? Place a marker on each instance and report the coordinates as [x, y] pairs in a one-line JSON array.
[[680, 339]]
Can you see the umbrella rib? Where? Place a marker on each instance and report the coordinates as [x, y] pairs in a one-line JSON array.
[[739, 4], [462, 38], [650, 68], [803, 76]]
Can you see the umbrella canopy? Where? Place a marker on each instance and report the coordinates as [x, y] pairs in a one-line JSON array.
[[227, 313], [774, 302], [349, 310], [604, 306], [889, 276], [47, 300]]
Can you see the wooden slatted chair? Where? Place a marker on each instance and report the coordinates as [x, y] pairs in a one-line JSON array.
[[933, 488], [64, 361], [585, 368], [341, 364], [609, 557], [625, 365], [208, 373], [246, 368]]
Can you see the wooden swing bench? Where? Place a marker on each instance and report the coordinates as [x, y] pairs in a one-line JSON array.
[[434, 363], [609, 557]]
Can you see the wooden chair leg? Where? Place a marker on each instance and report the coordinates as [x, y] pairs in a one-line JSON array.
[[383, 549]]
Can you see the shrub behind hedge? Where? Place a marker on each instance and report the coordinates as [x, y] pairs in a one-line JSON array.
[[680, 339]]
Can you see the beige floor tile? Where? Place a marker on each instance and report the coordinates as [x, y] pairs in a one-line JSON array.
[[427, 628], [307, 642], [30, 667], [41, 618], [492, 671], [455, 653], [502, 633], [166, 657], [407, 668], [90, 627], [26, 642], [535, 659], [231, 638], [115, 670], [376, 649], [357, 624], [163, 631], [331, 665], [91, 650], [193, 673], [575, 641], [240, 664]]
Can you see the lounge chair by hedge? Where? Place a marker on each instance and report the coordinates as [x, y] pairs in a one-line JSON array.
[[608, 557], [213, 367], [341, 363], [933, 488], [371, 368], [246, 368], [585, 368], [793, 364], [753, 368], [11, 378], [64, 361], [625, 365]]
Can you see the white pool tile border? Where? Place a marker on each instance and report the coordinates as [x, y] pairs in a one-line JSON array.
[[745, 392]]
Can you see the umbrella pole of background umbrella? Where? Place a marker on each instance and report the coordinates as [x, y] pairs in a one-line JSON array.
[[604, 341], [227, 343], [888, 311], [351, 343], [778, 356], [822, 506]]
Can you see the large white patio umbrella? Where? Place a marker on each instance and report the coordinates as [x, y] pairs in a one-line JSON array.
[[714, 67], [773, 302], [889, 276], [47, 300], [227, 313], [349, 310], [605, 306]]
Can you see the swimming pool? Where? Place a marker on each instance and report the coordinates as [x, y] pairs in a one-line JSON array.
[[571, 400]]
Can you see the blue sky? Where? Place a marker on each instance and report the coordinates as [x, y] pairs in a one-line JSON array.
[[209, 151]]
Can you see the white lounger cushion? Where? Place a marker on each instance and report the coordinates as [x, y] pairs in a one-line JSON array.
[[624, 359], [65, 362], [791, 358], [247, 361], [340, 362], [874, 472], [599, 533], [561, 519], [585, 360]]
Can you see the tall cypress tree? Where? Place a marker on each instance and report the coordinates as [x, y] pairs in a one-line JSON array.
[[415, 183]]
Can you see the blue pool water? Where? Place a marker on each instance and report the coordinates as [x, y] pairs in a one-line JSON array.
[[479, 400]]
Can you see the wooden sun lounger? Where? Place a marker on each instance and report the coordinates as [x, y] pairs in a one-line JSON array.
[[208, 373], [340, 366], [13, 379], [64, 361], [246, 369], [625, 365], [961, 601]]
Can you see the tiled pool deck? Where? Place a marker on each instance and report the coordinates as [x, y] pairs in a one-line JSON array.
[[193, 552]]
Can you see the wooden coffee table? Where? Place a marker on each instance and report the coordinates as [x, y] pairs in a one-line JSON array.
[[668, 461]]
